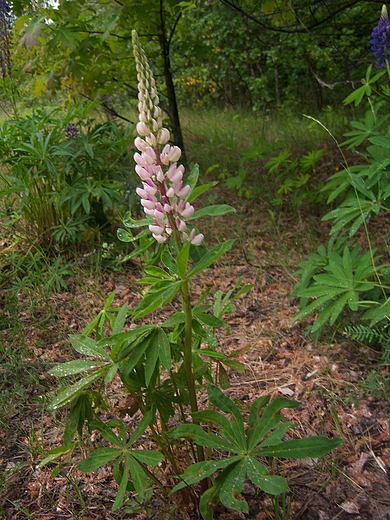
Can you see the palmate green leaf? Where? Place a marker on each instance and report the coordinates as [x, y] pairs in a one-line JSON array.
[[148, 457], [71, 392], [327, 284], [209, 440], [237, 428], [138, 250], [140, 429], [151, 358], [212, 211], [98, 458], [182, 260], [226, 431], [257, 405], [310, 308], [378, 313], [312, 447], [129, 222], [348, 211], [199, 190], [170, 263], [128, 341], [210, 499], [118, 474], [193, 177], [117, 423], [213, 354], [332, 311], [75, 367], [77, 415], [201, 470], [268, 420], [157, 272], [360, 186], [154, 298], [164, 349], [233, 363], [55, 453], [209, 319], [232, 486], [277, 435], [88, 347], [175, 319], [258, 474], [211, 416], [120, 320], [138, 477], [381, 140], [136, 353], [125, 236], [211, 257], [122, 487], [107, 432]]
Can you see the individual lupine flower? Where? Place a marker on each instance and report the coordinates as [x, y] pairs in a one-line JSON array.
[[5, 39], [380, 40], [71, 131], [163, 193]]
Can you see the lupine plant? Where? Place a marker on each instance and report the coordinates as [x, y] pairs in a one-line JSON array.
[[341, 276], [164, 366], [59, 182]]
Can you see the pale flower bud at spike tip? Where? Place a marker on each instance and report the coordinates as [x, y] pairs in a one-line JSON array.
[[163, 192]]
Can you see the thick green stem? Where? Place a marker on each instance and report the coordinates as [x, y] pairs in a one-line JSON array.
[[188, 346]]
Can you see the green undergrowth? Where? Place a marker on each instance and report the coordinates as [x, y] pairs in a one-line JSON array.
[[221, 136]]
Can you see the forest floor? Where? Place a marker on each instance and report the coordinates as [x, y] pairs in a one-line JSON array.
[[338, 384]]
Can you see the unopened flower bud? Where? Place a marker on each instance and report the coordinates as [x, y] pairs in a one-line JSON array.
[[148, 204], [184, 192], [151, 140], [181, 225], [160, 238], [139, 159], [142, 172], [163, 138], [142, 129], [197, 240], [156, 230], [159, 174], [149, 212], [174, 154], [140, 144], [187, 211]]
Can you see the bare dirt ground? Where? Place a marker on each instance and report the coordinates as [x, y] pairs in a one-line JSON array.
[[327, 378]]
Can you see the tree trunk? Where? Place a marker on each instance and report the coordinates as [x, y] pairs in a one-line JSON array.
[[172, 103]]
